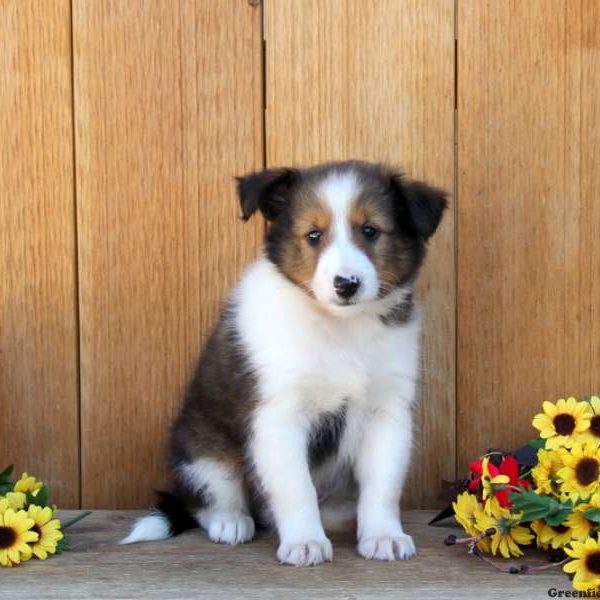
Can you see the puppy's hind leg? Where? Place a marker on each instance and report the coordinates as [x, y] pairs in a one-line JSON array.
[[225, 516]]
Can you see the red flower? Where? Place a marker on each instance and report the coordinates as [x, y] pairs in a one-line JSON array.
[[508, 467], [476, 473]]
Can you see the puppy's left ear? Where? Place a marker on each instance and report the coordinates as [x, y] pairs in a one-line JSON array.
[[266, 191], [423, 204]]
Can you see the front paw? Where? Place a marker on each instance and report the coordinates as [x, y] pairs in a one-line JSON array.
[[387, 547], [306, 553]]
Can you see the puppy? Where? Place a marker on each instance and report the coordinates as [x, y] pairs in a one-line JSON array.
[[304, 391]]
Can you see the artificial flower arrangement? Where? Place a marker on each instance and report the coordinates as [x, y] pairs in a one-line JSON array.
[[27, 524], [546, 494]]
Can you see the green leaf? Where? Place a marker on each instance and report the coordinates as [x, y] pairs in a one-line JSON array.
[[532, 505], [6, 473], [38, 499], [62, 545], [5, 488], [539, 443], [592, 514], [559, 511], [41, 498]]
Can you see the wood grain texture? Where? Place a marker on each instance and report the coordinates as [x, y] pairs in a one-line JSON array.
[[38, 319], [190, 566], [168, 107], [374, 80], [528, 214]]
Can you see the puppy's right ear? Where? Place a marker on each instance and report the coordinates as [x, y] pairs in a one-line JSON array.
[[265, 191]]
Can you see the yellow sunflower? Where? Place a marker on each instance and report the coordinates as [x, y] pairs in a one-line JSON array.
[[580, 476], [555, 536], [464, 511], [593, 433], [15, 536], [537, 527], [586, 564], [488, 481], [14, 500], [48, 530], [546, 469], [580, 526], [561, 421], [508, 531], [27, 483]]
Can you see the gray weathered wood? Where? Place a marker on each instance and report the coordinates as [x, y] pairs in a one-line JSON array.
[[189, 566]]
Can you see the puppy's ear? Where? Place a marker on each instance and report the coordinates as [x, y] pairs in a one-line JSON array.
[[265, 191], [420, 203]]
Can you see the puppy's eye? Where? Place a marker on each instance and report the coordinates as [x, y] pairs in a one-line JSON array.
[[314, 237], [370, 232]]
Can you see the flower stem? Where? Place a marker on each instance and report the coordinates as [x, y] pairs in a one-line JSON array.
[[547, 567], [507, 486], [76, 519], [451, 540]]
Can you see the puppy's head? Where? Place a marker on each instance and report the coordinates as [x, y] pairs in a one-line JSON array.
[[347, 233]]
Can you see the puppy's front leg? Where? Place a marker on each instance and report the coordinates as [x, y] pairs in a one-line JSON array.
[[381, 467], [279, 451]]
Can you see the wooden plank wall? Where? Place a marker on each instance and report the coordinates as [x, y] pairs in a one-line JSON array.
[[38, 311], [341, 83], [168, 106], [528, 214], [123, 124]]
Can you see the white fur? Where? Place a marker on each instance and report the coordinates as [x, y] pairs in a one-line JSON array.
[[227, 521], [309, 361], [342, 257], [225, 487], [226, 527], [148, 529]]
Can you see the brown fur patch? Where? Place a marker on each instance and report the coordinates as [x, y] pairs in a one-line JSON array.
[[400, 313], [297, 259], [213, 420], [391, 252]]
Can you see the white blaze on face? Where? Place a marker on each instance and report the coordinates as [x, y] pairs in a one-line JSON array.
[[342, 257]]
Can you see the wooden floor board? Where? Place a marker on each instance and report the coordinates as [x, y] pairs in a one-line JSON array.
[[189, 566]]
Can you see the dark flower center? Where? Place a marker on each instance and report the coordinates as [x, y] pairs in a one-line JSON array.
[[560, 528], [37, 530], [592, 562], [595, 425], [564, 424], [8, 537], [587, 471]]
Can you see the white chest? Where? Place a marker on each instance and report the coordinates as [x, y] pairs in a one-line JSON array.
[[322, 359]]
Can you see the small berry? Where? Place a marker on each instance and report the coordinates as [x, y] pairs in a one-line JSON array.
[[450, 540]]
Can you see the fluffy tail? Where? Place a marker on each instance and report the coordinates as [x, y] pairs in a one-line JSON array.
[[172, 519]]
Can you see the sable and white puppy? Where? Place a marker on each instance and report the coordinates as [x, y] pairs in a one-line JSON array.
[[306, 386]]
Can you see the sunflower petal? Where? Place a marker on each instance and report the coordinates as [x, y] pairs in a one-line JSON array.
[[572, 566], [14, 555], [40, 552]]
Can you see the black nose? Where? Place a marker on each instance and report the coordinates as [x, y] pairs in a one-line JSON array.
[[345, 287]]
